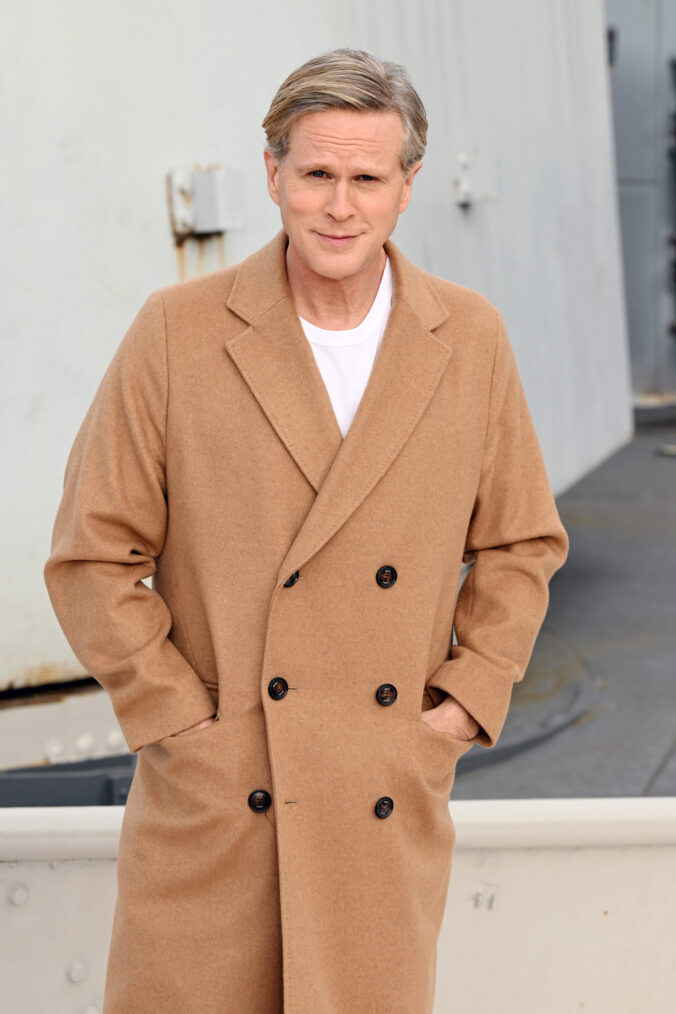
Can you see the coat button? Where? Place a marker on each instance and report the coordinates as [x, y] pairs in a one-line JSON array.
[[292, 580], [259, 800], [386, 576], [277, 688], [384, 806], [386, 694]]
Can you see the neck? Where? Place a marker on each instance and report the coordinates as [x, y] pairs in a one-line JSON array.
[[336, 304]]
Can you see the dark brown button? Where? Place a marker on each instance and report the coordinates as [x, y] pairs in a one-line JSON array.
[[386, 694], [259, 800], [386, 576], [277, 688], [292, 580], [384, 806]]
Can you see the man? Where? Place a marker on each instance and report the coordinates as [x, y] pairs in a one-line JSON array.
[[301, 450]]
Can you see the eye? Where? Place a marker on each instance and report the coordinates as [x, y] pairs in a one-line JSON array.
[[317, 174], [366, 178]]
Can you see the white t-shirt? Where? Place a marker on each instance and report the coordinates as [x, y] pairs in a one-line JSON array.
[[345, 358]]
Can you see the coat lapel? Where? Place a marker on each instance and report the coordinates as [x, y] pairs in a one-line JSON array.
[[277, 362], [275, 358]]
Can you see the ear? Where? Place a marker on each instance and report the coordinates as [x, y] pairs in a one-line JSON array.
[[408, 185], [272, 169]]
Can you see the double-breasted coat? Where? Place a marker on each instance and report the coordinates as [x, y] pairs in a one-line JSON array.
[[295, 855]]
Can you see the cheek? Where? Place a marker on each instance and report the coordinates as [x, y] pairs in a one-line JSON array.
[[301, 202], [386, 208]]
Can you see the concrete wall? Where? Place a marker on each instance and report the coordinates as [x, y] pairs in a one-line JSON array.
[[554, 906], [105, 99]]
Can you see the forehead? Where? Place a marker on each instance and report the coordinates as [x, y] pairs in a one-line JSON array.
[[376, 134]]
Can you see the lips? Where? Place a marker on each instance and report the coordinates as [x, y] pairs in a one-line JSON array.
[[337, 240]]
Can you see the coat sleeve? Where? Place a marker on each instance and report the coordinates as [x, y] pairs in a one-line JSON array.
[[110, 527], [515, 542]]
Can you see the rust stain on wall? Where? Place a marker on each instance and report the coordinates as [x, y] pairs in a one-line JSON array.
[[43, 675]]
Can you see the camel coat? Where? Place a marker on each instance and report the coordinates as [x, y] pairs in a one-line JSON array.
[[295, 855]]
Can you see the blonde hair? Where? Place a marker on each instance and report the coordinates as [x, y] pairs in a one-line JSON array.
[[348, 79]]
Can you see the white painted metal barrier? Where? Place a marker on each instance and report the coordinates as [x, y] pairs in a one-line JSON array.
[[559, 906], [555, 906]]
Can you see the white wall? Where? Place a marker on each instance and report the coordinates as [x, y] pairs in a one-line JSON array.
[[105, 98]]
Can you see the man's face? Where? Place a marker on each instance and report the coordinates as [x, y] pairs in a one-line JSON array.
[[340, 188]]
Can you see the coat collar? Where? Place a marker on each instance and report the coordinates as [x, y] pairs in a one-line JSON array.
[[276, 360]]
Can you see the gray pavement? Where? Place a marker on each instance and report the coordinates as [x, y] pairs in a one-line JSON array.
[[603, 673]]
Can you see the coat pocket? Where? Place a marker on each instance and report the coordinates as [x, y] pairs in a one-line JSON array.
[[445, 738], [438, 751], [194, 735], [427, 704]]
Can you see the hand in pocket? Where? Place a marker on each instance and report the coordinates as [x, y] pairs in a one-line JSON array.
[[450, 717]]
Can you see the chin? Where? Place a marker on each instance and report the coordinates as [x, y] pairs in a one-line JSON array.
[[336, 270], [339, 264], [334, 266]]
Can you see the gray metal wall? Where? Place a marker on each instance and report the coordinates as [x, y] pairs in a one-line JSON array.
[[643, 97], [103, 99]]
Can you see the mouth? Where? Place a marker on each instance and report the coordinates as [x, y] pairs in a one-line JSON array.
[[335, 240]]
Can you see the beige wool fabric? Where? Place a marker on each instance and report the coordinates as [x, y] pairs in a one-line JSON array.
[[211, 459]]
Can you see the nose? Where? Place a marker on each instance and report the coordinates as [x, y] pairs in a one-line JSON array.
[[339, 205]]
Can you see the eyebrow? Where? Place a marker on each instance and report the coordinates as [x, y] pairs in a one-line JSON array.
[[314, 166]]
